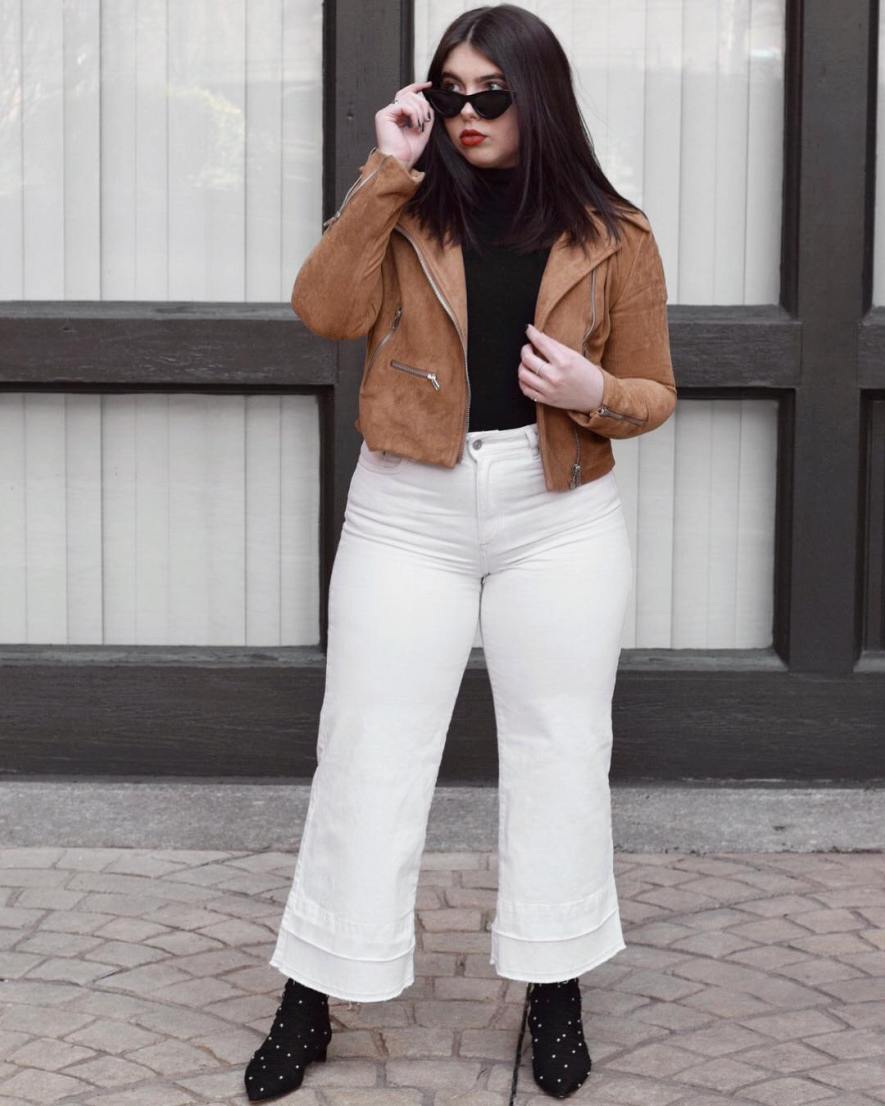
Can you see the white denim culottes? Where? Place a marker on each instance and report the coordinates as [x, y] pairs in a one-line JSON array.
[[424, 552]]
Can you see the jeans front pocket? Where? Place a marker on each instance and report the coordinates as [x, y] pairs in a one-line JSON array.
[[379, 460]]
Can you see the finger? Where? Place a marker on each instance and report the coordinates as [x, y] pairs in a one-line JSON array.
[[415, 109], [532, 381], [543, 341], [533, 361], [416, 89], [411, 111]]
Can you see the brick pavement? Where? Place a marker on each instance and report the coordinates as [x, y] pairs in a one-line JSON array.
[[139, 977]]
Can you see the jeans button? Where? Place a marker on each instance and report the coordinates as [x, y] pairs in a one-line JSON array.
[[477, 442]]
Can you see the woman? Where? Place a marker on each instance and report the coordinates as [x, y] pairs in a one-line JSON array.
[[484, 490]]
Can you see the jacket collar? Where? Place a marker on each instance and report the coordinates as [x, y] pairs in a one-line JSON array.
[[566, 265]]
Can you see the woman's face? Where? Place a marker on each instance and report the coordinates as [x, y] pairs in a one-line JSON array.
[[467, 70]]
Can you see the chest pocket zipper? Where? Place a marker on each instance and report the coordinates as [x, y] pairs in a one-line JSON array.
[[417, 372]]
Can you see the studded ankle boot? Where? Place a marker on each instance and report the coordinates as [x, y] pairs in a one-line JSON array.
[[560, 1057], [300, 1033]]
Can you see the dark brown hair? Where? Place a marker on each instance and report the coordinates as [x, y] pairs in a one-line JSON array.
[[558, 174]]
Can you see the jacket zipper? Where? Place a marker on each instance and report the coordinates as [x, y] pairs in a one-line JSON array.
[[417, 372], [603, 410], [451, 315], [397, 315], [354, 188], [576, 467]]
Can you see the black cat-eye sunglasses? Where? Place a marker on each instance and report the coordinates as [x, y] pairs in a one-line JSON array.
[[487, 105]]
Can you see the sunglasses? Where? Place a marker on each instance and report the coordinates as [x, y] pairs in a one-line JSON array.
[[487, 105]]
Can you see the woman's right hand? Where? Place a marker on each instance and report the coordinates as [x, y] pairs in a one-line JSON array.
[[403, 128]]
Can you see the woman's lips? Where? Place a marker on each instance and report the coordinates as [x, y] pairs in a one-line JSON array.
[[472, 139]]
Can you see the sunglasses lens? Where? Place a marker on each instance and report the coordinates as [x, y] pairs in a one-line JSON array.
[[492, 103], [443, 101]]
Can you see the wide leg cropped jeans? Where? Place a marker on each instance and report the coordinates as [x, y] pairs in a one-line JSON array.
[[424, 552]]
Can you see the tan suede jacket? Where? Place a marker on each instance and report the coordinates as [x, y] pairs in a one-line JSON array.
[[375, 272]]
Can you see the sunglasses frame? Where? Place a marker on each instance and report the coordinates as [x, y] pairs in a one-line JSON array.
[[464, 97]]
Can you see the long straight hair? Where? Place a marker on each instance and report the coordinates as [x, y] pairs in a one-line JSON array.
[[558, 174]]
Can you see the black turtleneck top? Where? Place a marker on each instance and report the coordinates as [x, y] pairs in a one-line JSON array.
[[502, 290]]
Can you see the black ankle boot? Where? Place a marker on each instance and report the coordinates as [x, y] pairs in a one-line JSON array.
[[300, 1033], [560, 1057]]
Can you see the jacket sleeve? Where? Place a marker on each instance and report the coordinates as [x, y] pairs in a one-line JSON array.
[[338, 289], [639, 390]]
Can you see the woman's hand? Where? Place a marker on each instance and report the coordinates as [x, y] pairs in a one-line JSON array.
[[566, 378], [403, 128]]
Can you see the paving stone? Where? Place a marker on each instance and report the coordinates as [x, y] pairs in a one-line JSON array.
[[38, 1085], [769, 957], [654, 1060], [110, 1071], [864, 1014], [359, 1096], [113, 1037], [850, 1044], [49, 898], [721, 1074], [469, 1098], [854, 1075], [657, 985], [52, 945], [631, 1090], [789, 1091], [672, 1016], [451, 1075], [712, 943], [45, 1053], [413, 1041], [157, 1094], [787, 1058], [721, 1039], [790, 1025], [74, 971], [857, 990], [463, 987], [450, 920]]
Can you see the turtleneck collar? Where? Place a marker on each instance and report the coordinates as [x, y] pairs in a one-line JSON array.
[[497, 177]]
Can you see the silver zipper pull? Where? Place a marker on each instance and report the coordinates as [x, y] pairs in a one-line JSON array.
[[603, 410], [432, 377], [576, 475]]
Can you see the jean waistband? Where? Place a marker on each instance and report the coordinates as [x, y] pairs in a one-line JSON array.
[[513, 434]]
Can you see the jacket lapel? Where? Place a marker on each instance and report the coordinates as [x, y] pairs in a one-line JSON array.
[[566, 265]]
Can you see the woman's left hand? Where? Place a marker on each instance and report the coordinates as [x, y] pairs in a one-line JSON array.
[[560, 376]]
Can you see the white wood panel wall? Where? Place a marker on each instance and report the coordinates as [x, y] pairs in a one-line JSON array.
[[154, 150], [684, 101], [146, 519]]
